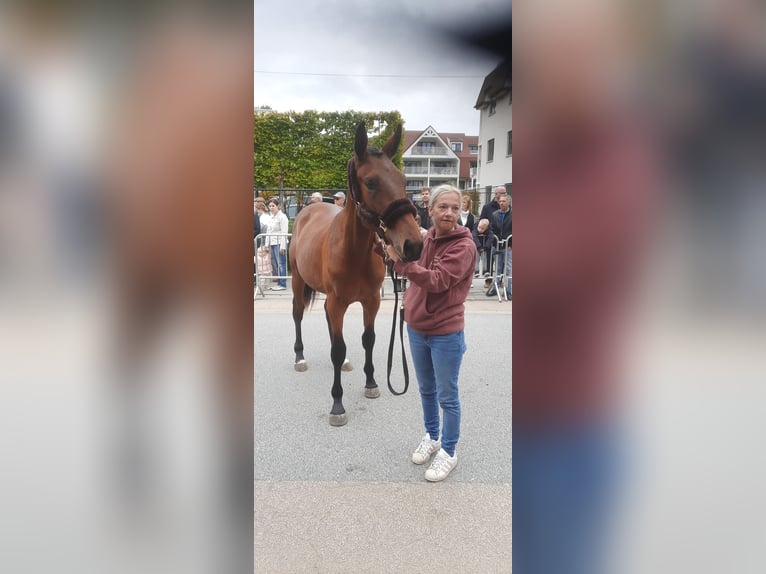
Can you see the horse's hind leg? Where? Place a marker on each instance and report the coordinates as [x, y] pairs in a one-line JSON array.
[[335, 311], [371, 390], [299, 306]]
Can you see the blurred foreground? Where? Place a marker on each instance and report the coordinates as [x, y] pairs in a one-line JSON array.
[[125, 284], [640, 300]]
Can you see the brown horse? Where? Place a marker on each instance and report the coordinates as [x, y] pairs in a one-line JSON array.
[[333, 252]]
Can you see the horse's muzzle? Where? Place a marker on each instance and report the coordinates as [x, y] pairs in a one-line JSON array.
[[412, 250]]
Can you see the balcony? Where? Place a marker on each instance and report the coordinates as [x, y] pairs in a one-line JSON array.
[[443, 170], [429, 150], [416, 169]]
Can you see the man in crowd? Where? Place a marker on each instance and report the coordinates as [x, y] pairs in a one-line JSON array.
[[316, 197], [501, 222], [494, 205], [340, 199], [425, 218], [486, 213]]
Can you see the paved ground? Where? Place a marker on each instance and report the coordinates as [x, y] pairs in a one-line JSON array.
[[348, 499]]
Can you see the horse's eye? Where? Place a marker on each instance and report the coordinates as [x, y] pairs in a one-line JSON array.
[[370, 183]]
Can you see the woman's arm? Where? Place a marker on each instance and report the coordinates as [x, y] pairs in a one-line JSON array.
[[445, 272]]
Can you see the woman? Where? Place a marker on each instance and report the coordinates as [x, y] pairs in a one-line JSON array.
[[278, 225], [434, 312], [466, 217]]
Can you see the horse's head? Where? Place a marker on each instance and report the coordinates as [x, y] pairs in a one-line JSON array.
[[377, 187]]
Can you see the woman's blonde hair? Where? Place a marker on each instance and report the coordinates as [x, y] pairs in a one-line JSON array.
[[440, 190], [468, 199]]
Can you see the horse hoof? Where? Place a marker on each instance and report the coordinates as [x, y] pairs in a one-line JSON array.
[[372, 392], [346, 366], [338, 420], [301, 366]]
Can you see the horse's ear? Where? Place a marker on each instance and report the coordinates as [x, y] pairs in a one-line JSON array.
[[390, 147], [360, 142]]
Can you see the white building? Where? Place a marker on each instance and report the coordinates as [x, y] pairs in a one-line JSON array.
[[432, 158], [495, 131]]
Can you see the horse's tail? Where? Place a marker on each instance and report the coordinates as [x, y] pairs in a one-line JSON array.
[[309, 295]]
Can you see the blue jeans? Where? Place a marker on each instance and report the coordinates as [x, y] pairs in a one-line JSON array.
[[437, 360], [564, 484], [281, 262]]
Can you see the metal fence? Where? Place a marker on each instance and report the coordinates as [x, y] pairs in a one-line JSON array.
[[262, 260]]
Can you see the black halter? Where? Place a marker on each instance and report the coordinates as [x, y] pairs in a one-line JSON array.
[[377, 222]]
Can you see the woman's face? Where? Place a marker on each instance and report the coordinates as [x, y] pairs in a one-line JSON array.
[[465, 204], [445, 212], [273, 208]]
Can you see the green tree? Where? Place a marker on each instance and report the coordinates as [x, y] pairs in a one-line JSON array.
[[310, 149]]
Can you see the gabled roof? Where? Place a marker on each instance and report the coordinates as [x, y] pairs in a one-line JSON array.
[[465, 156], [409, 141], [496, 85]]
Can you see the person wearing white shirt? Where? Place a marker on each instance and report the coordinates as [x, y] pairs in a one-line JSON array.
[[278, 244]]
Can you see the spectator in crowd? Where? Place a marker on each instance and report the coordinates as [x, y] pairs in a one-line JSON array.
[[316, 197], [501, 223], [486, 213], [494, 205], [278, 224], [340, 199], [425, 217], [466, 217], [485, 241], [435, 314]]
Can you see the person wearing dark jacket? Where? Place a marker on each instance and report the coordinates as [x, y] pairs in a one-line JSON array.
[[484, 240], [492, 206], [425, 217], [435, 313], [501, 223], [486, 213]]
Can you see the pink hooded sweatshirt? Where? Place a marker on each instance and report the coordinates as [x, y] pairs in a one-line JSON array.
[[440, 281]]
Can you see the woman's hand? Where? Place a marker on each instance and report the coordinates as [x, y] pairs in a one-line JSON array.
[[281, 251], [391, 252]]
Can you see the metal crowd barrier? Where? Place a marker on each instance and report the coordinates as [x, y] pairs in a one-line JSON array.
[[499, 280], [263, 240]]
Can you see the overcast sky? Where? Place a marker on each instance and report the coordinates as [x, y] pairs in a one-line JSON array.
[[351, 39]]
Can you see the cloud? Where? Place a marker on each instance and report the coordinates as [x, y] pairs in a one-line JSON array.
[[361, 38]]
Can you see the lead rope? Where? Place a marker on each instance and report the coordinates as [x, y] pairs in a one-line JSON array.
[[398, 283]]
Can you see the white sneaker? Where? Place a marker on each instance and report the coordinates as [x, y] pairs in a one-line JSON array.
[[425, 449], [441, 466], [278, 288]]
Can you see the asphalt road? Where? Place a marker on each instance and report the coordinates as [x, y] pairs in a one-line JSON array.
[[348, 499]]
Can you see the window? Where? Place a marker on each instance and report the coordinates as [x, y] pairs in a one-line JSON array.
[[508, 153], [492, 108], [490, 150], [457, 146], [473, 148]]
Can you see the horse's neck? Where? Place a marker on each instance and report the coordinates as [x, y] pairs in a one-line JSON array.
[[359, 239]]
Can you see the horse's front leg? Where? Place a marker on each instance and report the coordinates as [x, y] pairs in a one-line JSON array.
[[335, 311], [371, 390]]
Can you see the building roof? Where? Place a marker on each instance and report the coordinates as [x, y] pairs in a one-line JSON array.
[[411, 136], [496, 85]]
